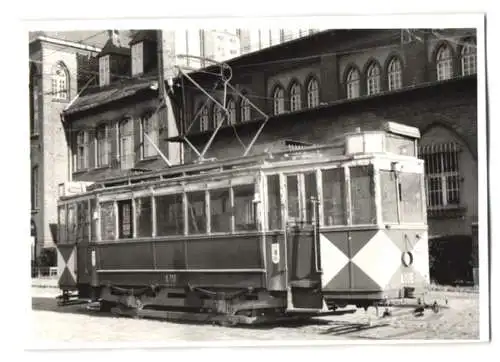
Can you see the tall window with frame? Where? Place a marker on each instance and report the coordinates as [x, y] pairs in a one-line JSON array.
[[35, 113], [82, 150], [60, 82], [468, 58], [244, 212], [362, 195], [149, 133], [444, 63], [295, 97], [35, 202], [126, 145], [125, 219], [220, 211], [169, 215], [108, 222], [274, 202], [197, 216], [394, 74], [278, 100], [137, 59], [103, 146], [204, 119], [231, 107], [352, 83], [442, 175], [217, 115], [373, 79], [312, 93], [245, 110], [104, 72], [334, 210], [143, 214]]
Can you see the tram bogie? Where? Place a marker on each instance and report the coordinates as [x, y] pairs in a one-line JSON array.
[[298, 232]]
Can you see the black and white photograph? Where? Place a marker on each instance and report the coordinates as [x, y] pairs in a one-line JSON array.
[[295, 182]]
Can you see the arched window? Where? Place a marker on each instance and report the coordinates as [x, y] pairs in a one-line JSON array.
[[295, 97], [126, 144], [352, 83], [312, 93], [279, 100], [231, 108], [34, 101], [60, 82], [204, 119], [245, 110], [469, 58], [373, 79], [444, 63], [216, 115], [394, 74]]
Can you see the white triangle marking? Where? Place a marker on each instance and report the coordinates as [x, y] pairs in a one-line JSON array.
[[333, 260], [379, 258]]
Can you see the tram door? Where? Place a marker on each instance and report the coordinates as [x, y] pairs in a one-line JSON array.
[[303, 263]]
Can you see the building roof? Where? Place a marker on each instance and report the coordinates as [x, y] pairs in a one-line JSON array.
[[95, 38], [116, 91]]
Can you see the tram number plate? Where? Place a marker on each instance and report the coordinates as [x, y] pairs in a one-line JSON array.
[[171, 279], [407, 278]]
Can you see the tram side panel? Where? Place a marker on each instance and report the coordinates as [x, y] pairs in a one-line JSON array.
[[213, 261]]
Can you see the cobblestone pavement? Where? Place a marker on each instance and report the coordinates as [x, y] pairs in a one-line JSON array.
[[73, 323]]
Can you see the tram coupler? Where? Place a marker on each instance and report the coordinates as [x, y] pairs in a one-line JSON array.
[[69, 298]]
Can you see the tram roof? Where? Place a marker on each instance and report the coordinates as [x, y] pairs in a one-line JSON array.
[[290, 150]]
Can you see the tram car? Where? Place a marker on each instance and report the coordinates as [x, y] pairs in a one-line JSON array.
[[302, 230]]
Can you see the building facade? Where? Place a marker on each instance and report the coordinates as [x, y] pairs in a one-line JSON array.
[[56, 73], [110, 125], [258, 39], [318, 86]]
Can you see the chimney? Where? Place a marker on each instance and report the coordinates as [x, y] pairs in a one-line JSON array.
[[114, 36]]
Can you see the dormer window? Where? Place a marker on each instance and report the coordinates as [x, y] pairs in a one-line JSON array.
[[137, 55], [104, 77]]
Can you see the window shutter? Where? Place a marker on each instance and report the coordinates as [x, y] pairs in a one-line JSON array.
[[137, 137], [73, 134], [113, 139], [91, 163]]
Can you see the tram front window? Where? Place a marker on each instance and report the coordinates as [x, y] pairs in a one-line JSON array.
[[402, 200], [362, 195], [411, 197]]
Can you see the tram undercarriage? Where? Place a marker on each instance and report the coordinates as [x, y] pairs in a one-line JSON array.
[[230, 307]]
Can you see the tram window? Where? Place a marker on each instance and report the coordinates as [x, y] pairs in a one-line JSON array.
[[197, 220], [389, 196], [334, 197], [311, 190], [244, 218], [107, 221], [169, 215], [82, 223], [292, 186], [93, 221], [143, 214], [362, 195], [71, 221], [274, 202], [411, 197], [62, 239], [125, 219], [220, 211]]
